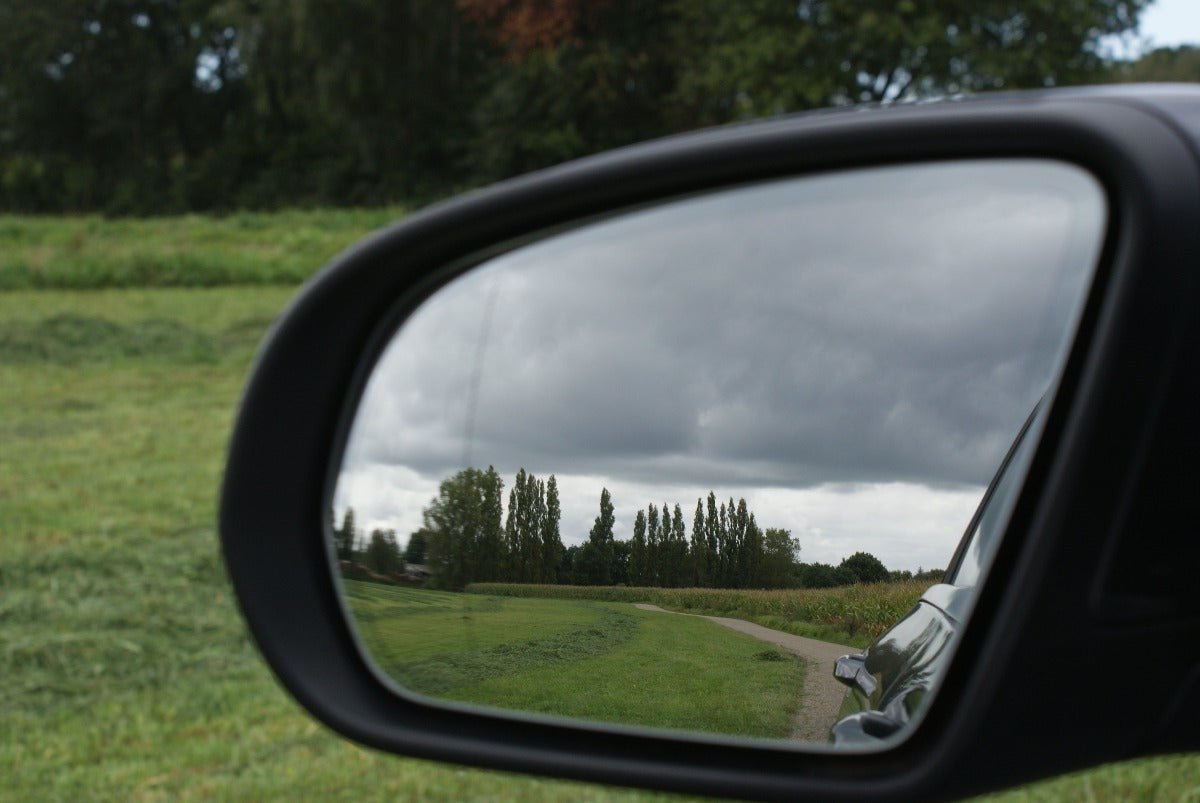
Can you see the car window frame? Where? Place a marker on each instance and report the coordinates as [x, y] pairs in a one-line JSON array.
[[968, 536]]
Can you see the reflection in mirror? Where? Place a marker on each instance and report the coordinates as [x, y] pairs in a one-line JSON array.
[[666, 468]]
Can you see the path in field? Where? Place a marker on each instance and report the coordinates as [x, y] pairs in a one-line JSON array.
[[822, 694]]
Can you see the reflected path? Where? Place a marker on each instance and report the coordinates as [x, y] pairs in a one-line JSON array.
[[822, 694]]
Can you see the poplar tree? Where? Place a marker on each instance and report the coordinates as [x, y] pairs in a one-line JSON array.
[[637, 551], [552, 546], [601, 538], [679, 552], [512, 542], [653, 537], [711, 526], [699, 548]]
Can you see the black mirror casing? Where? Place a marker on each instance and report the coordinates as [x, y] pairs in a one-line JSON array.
[[1079, 575]]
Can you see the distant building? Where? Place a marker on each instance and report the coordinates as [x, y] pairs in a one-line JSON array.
[[417, 570]]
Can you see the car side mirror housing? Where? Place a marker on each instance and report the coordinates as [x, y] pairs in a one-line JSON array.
[[1102, 493]]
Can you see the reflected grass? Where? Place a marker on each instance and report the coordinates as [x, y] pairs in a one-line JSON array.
[[606, 662]]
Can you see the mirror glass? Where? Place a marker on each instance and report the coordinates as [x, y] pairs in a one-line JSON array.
[[667, 467]]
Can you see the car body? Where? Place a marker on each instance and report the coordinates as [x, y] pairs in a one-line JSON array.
[[889, 683]]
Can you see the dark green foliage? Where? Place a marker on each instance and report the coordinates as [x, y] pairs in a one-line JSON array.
[[638, 555], [552, 546], [344, 537], [822, 575], [1170, 64], [454, 521], [382, 554], [143, 107], [779, 557], [414, 552], [596, 557], [865, 567]]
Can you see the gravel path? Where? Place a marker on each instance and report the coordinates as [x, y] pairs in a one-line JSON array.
[[822, 694]]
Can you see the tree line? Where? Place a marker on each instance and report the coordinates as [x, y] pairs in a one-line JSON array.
[[146, 106], [468, 536]]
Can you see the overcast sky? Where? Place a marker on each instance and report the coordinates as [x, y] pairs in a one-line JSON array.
[[1164, 23], [853, 353]]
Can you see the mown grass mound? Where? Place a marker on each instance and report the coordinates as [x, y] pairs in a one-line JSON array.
[[593, 660], [247, 248]]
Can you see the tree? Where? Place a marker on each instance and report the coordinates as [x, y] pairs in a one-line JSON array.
[[511, 571], [1175, 64], [664, 568], [680, 570], [490, 557], [619, 570], [816, 53], [598, 554], [456, 522], [414, 552], [865, 567], [700, 558], [637, 551], [822, 575], [344, 536], [382, 554], [779, 557], [135, 106], [713, 537], [653, 547], [552, 546]]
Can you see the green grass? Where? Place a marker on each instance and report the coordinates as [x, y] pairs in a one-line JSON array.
[[125, 670], [601, 661], [183, 251], [852, 615]]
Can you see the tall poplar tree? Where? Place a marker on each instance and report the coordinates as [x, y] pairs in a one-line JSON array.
[[601, 538], [680, 570], [512, 541], [711, 530], [699, 548], [653, 544], [637, 551], [552, 546]]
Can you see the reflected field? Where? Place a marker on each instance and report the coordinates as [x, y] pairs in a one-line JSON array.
[[603, 661]]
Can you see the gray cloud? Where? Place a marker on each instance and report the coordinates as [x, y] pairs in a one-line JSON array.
[[870, 327]]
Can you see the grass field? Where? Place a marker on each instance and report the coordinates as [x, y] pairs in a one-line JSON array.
[[125, 670], [852, 615], [596, 660], [187, 251]]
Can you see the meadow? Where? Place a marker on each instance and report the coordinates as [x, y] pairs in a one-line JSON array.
[[125, 670], [601, 661], [852, 615]]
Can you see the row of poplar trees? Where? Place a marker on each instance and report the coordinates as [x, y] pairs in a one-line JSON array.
[[467, 541], [727, 548]]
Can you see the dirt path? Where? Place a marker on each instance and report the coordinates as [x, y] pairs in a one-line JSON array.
[[822, 694]]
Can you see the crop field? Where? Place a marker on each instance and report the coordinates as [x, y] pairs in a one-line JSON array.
[[851, 615], [595, 660], [125, 670]]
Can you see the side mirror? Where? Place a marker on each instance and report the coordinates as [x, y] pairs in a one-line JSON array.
[[838, 288], [851, 671]]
